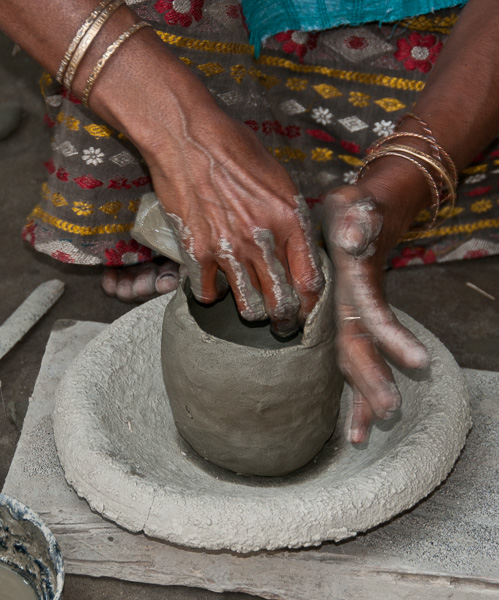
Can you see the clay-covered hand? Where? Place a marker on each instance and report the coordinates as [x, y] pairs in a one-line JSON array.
[[360, 228], [233, 207]]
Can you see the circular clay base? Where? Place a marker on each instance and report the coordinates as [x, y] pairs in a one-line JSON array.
[[121, 451]]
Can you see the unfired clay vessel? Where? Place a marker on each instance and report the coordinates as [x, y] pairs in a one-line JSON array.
[[243, 399]]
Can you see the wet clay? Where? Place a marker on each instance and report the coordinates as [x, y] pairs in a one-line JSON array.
[[121, 451], [244, 399], [13, 586]]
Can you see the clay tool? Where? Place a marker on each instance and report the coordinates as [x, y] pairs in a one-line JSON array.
[[480, 291], [29, 313]]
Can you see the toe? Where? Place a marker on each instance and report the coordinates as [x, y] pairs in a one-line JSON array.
[[109, 281], [167, 278]]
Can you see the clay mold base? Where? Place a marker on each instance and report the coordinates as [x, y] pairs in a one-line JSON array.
[[120, 450]]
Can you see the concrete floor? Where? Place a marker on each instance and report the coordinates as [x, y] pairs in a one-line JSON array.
[[437, 296]]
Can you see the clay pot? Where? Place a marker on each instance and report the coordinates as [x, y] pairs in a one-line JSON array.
[[243, 399]]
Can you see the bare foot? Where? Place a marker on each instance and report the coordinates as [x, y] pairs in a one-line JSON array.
[[141, 282]]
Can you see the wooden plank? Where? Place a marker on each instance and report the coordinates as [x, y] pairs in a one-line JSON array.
[[445, 548]]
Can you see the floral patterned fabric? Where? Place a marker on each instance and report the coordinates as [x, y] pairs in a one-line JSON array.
[[316, 100]]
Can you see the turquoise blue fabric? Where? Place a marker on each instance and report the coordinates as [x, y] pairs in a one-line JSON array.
[[265, 18]]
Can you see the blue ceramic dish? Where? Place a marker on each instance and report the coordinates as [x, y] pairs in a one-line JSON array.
[[28, 547]]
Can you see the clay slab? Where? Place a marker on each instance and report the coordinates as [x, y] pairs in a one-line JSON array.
[[445, 548], [120, 450]]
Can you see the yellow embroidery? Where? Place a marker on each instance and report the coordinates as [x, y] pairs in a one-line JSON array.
[[448, 212], [58, 200], [435, 24], [295, 84], [45, 81], [468, 228], [268, 81], [83, 209], [423, 215], [475, 169], [205, 45], [359, 99], [111, 208], [239, 72], [70, 122], [351, 160], [98, 131], [122, 136], [39, 213], [327, 91], [322, 154], [186, 60], [133, 205], [286, 153], [496, 162], [211, 68], [54, 197], [480, 206], [398, 83], [390, 104]]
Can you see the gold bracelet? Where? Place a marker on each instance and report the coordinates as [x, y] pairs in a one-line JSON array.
[[106, 56], [388, 152], [87, 40], [429, 160], [440, 152], [77, 39]]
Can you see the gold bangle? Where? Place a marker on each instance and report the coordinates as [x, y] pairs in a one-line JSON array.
[[450, 183], [89, 37], [388, 152], [440, 152], [77, 39], [106, 56]]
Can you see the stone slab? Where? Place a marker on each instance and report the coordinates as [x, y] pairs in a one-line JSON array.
[[445, 547]]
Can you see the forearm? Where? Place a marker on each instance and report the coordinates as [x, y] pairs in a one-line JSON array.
[[143, 90]]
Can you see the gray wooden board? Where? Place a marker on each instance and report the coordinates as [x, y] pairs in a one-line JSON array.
[[445, 547]]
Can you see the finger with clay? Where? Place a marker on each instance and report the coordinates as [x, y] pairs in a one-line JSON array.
[[359, 236]]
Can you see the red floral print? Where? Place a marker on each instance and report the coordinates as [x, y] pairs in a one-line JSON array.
[[28, 233], [252, 125], [480, 191], [127, 253], [180, 12], [120, 183], [320, 135], [49, 165], [62, 256], [356, 42], [476, 254], [292, 131], [269, 127], [140, 181], [297, 42], [415, 255], [62, 174], [87, 182], [48, 121], [350, 146], [418, 51]]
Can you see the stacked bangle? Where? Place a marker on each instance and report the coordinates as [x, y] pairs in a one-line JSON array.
[[87, 39], [77, 39], [106, 56], [84, 37], [437, 168]]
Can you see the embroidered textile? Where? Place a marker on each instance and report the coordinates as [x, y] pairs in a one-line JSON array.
[[265, 18], [317, 101]]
